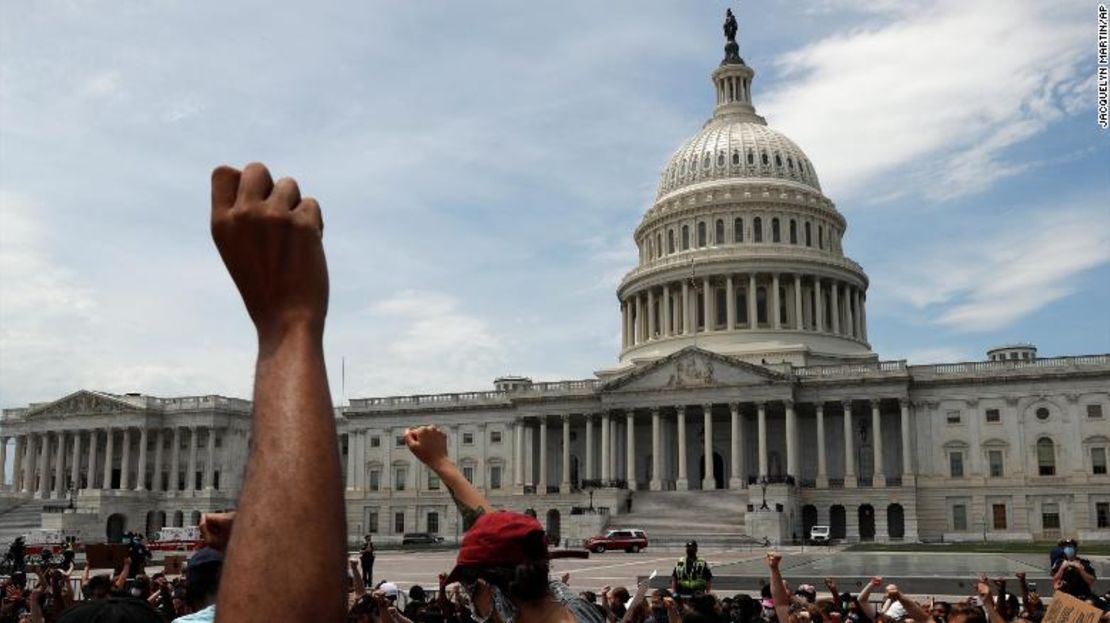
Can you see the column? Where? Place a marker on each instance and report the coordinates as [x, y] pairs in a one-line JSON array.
[[849, 323], [651, 314], [17, 463], [708, 482], [630, 450], [753, 319], [614, 451], [682, 483], [159, 441], [822, 459], [777, 304], [656, 452], [819, 304], [175, 459], [665, 303], [605, 450], [863, 316], [541, 484], [877, 430], [799, 321], [907, 446], [686, 325], [518, 454], [792, 441], [125, 462], [75, 467], [859, 314], [109, 449], [140, 473], [762, 422], [737, 480], [60, 467], [191, 476], [590, 472], [3, 462], [730, 304], [44, 467], [639, 329], [90, 471], [564, 484], [210, 461], [849, 448], [707, 306]]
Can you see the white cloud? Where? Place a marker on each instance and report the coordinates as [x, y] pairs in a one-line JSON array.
[[941, 92], [979, 283]]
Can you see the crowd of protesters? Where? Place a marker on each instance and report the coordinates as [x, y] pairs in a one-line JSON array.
[[270, 240]]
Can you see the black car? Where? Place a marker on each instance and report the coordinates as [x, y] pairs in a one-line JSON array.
[[420, 538]]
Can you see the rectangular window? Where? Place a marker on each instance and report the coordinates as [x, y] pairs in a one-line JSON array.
[[375, 479], [468, 439], [1102, 514], [1098, 460], [372, 522], [400, 475], [468, 473], [399, 441], [994, 458], [398, 523], [998, 515], [495, 477], [1050, 516], [495, 436], [993, 416], [956, 464], [959, 518], [1094, 411], [375, 442], [953, 417], [433, 523], [433, 482]]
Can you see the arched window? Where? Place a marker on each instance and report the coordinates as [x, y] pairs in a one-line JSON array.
[[738, 230], [685, 237], [761, 305], [682, 168], [705, 162], [735, 157], [670, 241], [775, 236], [757, 230], [764, 158], [751, 157], [742, 305], [790, 163], [720, 232], [701, 234], [721, 300], [1046, 457], [793, 231], [721, 159], [658, 245], [778, 161], [820, 237], [809, 241]]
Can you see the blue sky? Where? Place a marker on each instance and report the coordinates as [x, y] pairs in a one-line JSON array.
[[481, 167]]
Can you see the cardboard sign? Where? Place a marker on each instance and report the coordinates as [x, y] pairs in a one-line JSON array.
[[173, 565], [106, 555], [1067, 609]]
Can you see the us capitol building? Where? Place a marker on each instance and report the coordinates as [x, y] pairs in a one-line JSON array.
[[746, 403]]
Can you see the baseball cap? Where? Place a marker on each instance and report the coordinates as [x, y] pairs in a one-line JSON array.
[[389, 589], [497, 539]]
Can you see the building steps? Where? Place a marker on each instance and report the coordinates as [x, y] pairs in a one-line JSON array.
[[19, 517], [670, 518]]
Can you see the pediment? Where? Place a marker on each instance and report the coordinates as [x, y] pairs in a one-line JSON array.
[[81, 402], [693, 368]]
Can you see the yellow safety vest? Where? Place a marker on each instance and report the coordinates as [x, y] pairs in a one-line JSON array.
[[695, 579]]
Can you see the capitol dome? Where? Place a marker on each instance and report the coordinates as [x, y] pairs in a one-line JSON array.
[[732, 148], [741, 252]]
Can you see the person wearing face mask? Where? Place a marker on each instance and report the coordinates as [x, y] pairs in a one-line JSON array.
[[1075, 575], [503, 562]]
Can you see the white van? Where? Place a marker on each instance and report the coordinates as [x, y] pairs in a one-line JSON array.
[[819, 534]]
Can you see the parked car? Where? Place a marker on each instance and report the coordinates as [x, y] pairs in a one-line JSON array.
[[630, 541], [420, 538], [819, 535]]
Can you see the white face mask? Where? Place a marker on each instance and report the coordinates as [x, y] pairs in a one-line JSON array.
[[136, 592]]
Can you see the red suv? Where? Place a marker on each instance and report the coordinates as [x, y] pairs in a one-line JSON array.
[[630, 541]]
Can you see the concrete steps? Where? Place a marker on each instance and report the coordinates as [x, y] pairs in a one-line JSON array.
[[670, 518], [18, 516]]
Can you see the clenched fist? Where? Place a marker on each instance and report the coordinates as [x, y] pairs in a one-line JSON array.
[[429, 444], [270, 241]]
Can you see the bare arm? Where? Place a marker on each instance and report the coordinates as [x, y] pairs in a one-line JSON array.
[[429, 444], [778, 589], [913, 609], [865, 596], [983, 588], [270, 241]]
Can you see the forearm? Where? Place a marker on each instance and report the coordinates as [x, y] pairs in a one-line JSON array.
[[291, 498], [471, 503], [778, 594], [914, 609]]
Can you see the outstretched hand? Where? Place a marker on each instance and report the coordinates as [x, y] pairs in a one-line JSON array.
[[270, 241]]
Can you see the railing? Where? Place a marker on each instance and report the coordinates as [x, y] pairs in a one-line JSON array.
[[836, 483], [864, 481], [604, 484], [894, 481], [560, 387], [1007, 365], [430, 400], [553, 488], [807, 483], [772, 480], [874, 368]]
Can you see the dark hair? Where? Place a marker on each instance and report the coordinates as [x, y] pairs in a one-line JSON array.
[[203, 582], [111, 610], [416, 593], [526, 581], [99, 582]]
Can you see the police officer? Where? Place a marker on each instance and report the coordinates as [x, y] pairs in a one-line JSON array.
[[691, 575]]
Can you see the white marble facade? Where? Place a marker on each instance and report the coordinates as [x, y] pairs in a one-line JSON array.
[[744, 358]]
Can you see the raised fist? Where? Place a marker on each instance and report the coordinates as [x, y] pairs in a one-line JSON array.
[[876, 581], [773, 559], [215, 529], [270, 241], [429, 444]]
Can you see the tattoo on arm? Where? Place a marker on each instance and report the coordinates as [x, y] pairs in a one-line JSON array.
[[470, 514]]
